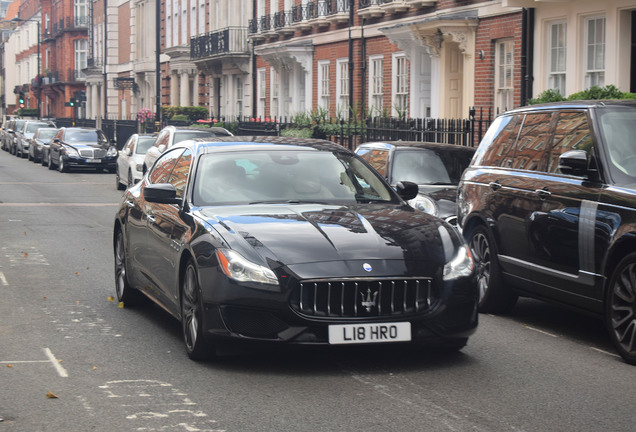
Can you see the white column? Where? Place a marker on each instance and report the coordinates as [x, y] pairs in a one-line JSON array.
[[185, 89], [174, 89]]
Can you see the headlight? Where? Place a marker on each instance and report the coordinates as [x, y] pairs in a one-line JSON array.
[[112, 151], [238, 268], [460, 266], [71, 152], [425, 203]]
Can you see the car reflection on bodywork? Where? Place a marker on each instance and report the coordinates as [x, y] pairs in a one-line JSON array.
[[289, 241]]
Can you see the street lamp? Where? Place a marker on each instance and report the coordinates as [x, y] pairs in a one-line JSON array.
[[39, 78]]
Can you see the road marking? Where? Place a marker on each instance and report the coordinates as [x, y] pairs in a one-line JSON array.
[[51, 359], [3, 279], [605, 352], [56, 364], [540, 331]]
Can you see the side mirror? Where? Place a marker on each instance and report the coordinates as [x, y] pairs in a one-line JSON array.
[[574, 162], [161, 148], [162, 193], [407, 190]]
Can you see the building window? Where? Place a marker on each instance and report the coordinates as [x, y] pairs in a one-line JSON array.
[[239, 95], [262, 93], [81, 57], [168, 23], [376, 85], [323, 85], [594, 52], [342, 88], [557, 56], [201, 16], [504, 74], [400, 84], [80, 9], [275, 86]]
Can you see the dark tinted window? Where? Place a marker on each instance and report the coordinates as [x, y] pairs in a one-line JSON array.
[[163, 167], [179, 176], [430, 166], [532, 145], [497, 146], [571, 133]]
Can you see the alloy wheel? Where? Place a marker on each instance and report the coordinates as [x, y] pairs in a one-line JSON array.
[[621, 308], [480, 249]]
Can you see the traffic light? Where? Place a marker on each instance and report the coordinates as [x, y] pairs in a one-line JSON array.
[[21, 98], [71, 103]]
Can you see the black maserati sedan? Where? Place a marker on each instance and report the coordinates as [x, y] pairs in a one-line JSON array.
[[289, 241]]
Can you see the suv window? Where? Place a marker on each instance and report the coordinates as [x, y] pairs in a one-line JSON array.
[[378, 159], [532, 145], [572, 133], [497, 147]]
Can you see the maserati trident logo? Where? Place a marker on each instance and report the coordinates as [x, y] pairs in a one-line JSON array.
[[370, 301]]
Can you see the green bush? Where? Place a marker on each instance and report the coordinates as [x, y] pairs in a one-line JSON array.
[[188, 113], [549, 95], [27, 112], [297, 132], [595, 92]]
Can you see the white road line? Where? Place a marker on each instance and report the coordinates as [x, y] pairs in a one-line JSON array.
[[605, 352], [56, 364], [541, 331], [3, 280]]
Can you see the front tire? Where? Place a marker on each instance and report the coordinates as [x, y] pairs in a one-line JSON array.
[[620, 308], [61, 166], [51, 166], [494, 297], [197, 344], [118, 182]]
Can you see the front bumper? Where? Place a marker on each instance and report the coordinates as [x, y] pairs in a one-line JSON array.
[[235, 312], [108, 162]]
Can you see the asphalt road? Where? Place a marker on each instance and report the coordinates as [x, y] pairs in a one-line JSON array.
[[72, 360]]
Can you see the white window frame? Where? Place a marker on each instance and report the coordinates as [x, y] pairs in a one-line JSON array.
[[238, 83], [400, 84], [342, 88], [504, 74], [376, 85], [80, 53], [80, 11], [275, 93], [261, 77], [557, 55], [594, 51], [323, 84]]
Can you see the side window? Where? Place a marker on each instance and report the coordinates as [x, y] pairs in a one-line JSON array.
[[180, 173], [128, 146], [572, 133], [532, 146], [163, 168], [378, 160], [497, 146]]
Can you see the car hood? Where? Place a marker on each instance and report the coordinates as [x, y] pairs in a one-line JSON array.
[[313, 233]]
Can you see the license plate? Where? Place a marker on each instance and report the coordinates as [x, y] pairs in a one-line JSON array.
[[93, 161], [369, 333]]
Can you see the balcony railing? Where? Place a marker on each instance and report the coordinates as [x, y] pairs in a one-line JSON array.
[[231, 40], [297, 15], [70, 23]]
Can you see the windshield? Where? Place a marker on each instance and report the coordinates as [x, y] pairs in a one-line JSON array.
[[430, 166], [186, 135], [84, 135], [46, 133], [285, 176], [32, 127], [143, 144], [617, 130]]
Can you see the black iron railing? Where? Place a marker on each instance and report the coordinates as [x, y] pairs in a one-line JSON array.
[[231, 40]]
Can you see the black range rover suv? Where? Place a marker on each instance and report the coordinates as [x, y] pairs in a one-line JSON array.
[[548, 206]]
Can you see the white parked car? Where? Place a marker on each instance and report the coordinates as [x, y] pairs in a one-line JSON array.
[[130, 161], [171, 135]]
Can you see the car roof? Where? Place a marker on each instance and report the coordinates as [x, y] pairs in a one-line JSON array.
[[212, 144], [575, 104], [409, 145]]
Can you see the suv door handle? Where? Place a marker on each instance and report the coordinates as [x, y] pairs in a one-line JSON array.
[[543, 193], [495, 185]]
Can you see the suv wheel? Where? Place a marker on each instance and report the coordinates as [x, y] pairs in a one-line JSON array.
[[494, 297], [620, 308]]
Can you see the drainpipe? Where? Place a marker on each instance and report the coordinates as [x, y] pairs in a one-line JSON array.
[[158, 61], [254, 68], [527, 54]]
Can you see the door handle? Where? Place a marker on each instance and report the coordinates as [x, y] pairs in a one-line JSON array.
[[543, 193], [151, 219], [495, 185], [129, 203]]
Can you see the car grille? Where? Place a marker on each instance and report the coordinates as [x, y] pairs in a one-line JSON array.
[[353, 298], [93, 153]]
